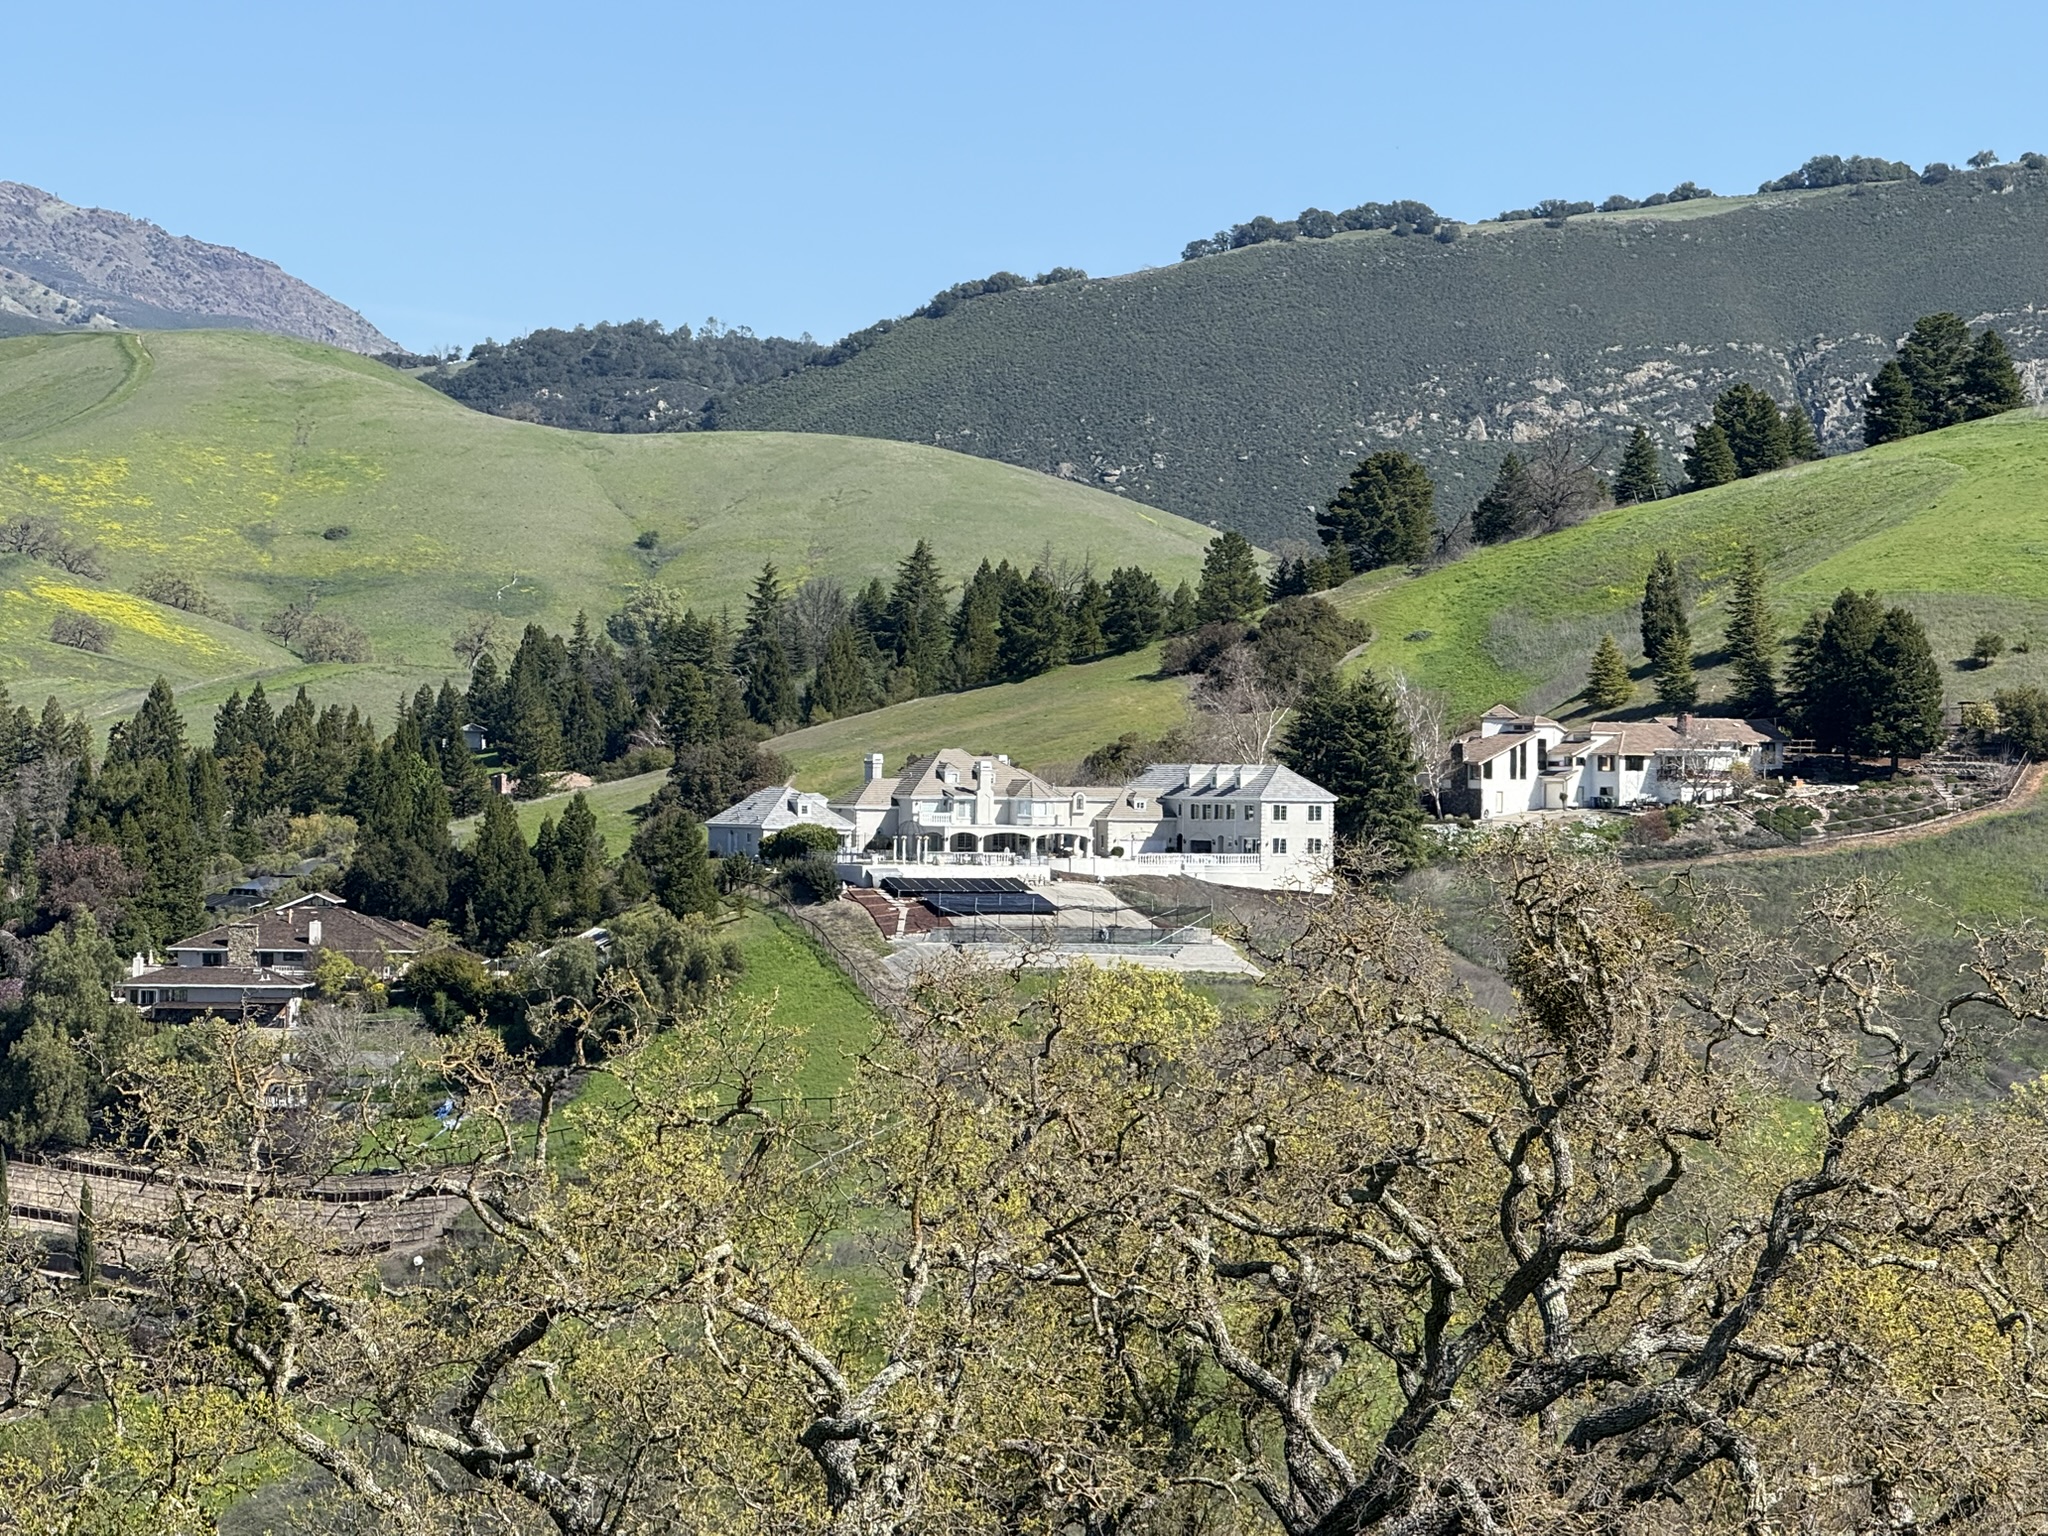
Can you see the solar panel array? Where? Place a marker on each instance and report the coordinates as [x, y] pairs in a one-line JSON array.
[[989, 903], [952, 885]]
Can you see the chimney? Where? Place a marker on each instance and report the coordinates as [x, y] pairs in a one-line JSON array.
[[313, 934], [1200, 774], [1684, 724], [874, 767], [242, 946], [985, 771]]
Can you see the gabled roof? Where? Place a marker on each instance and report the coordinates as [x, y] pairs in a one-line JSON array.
[[780, 806], [341, 927], [923, 778]]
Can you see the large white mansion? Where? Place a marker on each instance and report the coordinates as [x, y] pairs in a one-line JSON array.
[[1515, 763], [1232, 823]]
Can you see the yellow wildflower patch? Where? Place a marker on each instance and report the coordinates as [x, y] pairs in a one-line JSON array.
[[130, 613], [76, 485]]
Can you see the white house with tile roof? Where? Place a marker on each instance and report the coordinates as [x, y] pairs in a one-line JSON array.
[[1515, 763], [741, 829]]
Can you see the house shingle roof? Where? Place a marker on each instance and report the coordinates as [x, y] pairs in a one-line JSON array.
[[363, 938], [779, 806]]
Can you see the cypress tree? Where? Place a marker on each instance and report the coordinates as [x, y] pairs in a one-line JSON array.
[[1608, 685], [1888, 409], [1383, 515], [1709, 461], [1904, 689], [1230, 587], [1800, 443], [1348, 737], [770, 693], [1137, 610], [1641, 477], [1503, 511], [1933, 357], [1663, 614], [503, 893], [1180, 616], [1752, 638], [1991, 384]]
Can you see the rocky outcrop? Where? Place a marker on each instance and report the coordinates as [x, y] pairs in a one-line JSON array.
[[88, 268]]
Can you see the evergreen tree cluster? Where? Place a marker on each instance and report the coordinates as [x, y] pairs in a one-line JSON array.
[[1941, 375], [1348, 736], [1667, 634], [1749, 434], [1862, 678], [1385, 514]]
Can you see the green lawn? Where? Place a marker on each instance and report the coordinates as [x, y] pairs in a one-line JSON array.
[[1954, 525], [268, 469], [1048, 723], [614, 804]]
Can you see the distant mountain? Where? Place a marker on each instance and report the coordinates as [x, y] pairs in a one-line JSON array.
[[66, 268], [1239, 387]]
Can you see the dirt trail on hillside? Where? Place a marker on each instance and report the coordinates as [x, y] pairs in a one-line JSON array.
[[2024, 788]]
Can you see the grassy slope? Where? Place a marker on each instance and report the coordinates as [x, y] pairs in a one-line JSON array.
[[1953, 524], [1240, 388], [614, 804], [230, 456]]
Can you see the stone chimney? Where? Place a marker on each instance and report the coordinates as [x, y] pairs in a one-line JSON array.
[[874, 767], [1685, 724], [242, 946]]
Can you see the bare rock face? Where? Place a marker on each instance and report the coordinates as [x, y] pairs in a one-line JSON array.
[[88, 268]]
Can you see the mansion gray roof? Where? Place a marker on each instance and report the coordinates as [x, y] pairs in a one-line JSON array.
[[778, 806], [1262, 781]]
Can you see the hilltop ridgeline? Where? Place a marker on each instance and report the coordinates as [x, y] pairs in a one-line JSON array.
[[66, 268]]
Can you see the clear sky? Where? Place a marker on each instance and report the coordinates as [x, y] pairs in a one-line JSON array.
[[457, 170]]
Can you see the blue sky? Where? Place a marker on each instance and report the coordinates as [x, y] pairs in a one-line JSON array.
[[459, 170]]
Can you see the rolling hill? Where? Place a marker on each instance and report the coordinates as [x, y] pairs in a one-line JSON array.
[[1239, 388], [267, 469], [71, 268], [1953, 524]]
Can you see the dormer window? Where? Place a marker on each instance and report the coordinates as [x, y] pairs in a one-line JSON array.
[[1139, 803]]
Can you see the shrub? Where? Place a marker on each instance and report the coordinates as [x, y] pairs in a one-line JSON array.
[[173, 590], [338, 531], [1650, 827], [1988, 648], [330, 637], [82, 632], [449, 987], [648, 539], [799, 842], [813, 878]]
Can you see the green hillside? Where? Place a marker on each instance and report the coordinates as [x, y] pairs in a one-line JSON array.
[[1953, 524], [1239, 388], [266, 469]]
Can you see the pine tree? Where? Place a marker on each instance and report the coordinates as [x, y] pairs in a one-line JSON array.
[[1754, 428], [1664, 624], [1801, 446], [1348, 737], [577, 879], [1086, 615], [1289, 578], [1709, 461], [1991, 385], [1180, 617], [1835, 678], [1503, 512], [978, 626], [1608, 684], [842, 685], [1384, 515], [919, 624], [1677, 687], [672, 848], [1802, 685], [502, 891], [1752, 639], [1230, 587], [1904, 689], [1641, 477], [1888, 410], [157, 733], [1034, 629], [770, 693], [1934, 356], [1137, 610], [404, 861], [85, 1245]]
